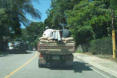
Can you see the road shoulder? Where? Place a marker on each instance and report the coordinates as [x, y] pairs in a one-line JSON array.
[[105, 65]]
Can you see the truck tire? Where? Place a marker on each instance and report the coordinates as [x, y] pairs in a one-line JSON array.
[[40, 65]]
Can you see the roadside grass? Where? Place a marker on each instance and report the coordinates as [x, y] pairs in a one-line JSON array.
[[79, 51], [115, 60], [104, 56], [109, 57]]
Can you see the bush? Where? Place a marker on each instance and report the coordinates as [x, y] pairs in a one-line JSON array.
[[101, 46]]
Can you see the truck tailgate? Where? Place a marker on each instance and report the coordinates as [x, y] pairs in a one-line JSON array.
[[54, 47]]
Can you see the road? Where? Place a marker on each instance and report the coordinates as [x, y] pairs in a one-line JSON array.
[[26, 66]]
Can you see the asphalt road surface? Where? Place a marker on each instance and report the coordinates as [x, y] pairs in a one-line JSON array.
[[26, 66]]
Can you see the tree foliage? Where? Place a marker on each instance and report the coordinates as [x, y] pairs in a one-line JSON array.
[[93, 15], [56, 15], [113, 4], [31, 34], [12, 14], [86, 19]]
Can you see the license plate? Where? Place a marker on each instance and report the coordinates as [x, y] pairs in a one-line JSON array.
[[55, 58]]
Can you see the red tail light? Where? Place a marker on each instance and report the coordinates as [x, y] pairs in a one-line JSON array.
[[40, 55]]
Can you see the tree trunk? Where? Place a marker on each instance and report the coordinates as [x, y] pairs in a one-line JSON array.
[[3, 44]]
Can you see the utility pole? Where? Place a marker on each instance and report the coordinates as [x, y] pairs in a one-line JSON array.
[[113, 36]]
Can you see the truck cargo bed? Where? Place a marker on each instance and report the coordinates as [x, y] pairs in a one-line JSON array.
[[56, 48]]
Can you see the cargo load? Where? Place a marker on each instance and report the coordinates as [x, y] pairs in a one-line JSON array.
[[54, 44]]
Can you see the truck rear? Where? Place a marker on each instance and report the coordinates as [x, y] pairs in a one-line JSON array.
[[56, 53]]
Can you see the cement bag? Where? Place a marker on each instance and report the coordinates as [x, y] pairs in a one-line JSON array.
[[48, 33], [43, 38], [69, 39]]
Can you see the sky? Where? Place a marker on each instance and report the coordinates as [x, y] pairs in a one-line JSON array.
[[42, 6]]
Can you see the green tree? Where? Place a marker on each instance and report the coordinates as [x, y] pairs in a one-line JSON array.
[[12, 13], [89, 20], [32, 33], [113, 4], [56, 15]]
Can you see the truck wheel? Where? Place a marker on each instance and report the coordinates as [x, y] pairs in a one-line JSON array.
[[40, 65]]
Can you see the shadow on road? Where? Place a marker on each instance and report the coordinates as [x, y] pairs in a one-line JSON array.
[[81, 66], [3, 54], [19, 51], [14, 51], [77, 67]]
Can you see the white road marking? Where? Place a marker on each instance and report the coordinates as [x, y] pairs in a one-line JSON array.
[[100, 72]]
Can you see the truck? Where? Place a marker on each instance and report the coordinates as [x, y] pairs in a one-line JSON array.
[[56, 48]]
